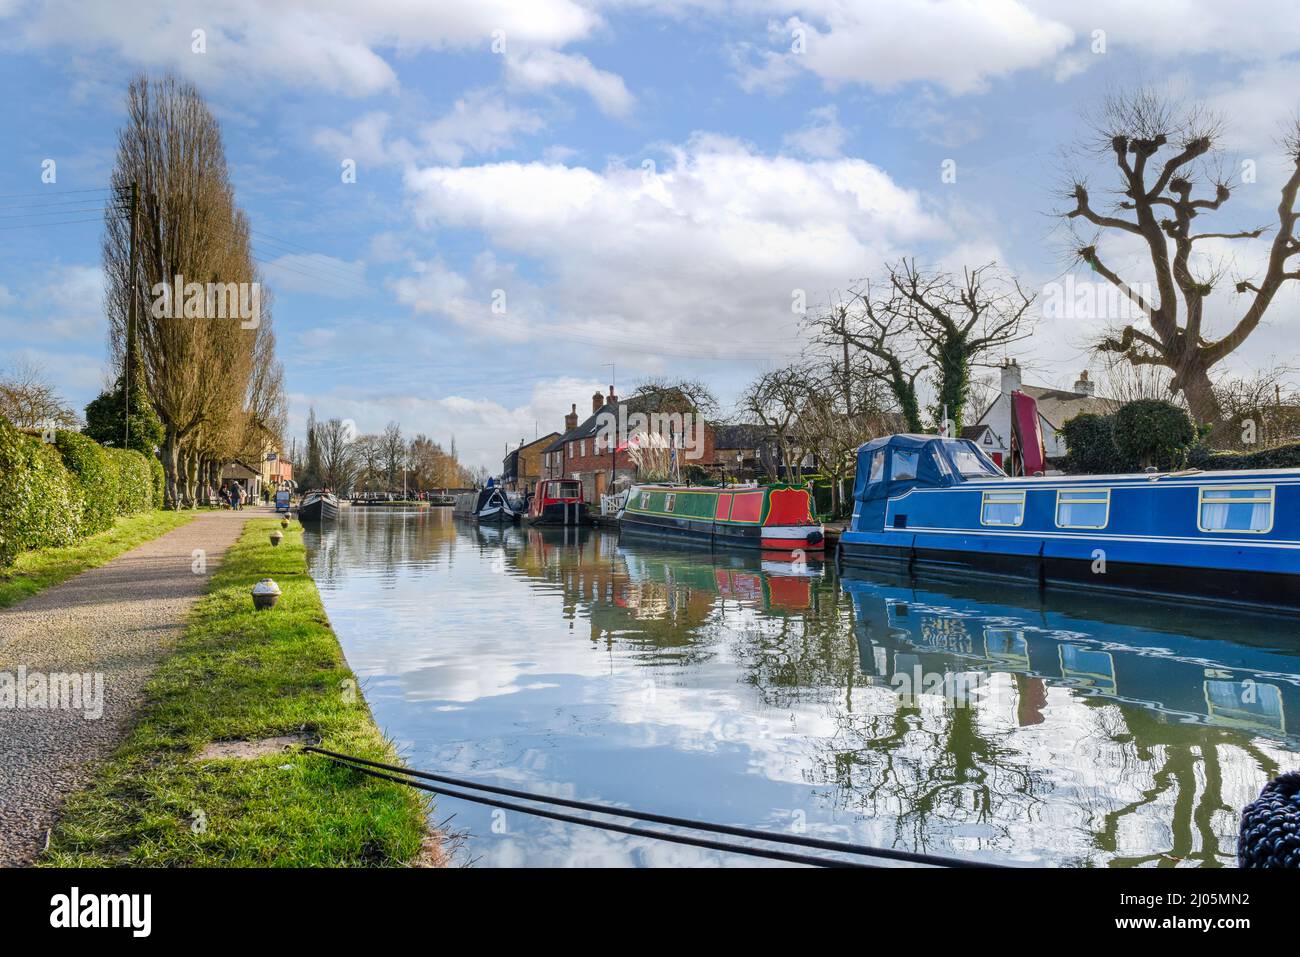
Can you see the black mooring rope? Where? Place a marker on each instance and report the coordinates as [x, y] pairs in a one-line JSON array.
[[769, 836]]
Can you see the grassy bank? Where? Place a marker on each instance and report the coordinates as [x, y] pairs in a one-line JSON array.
[[237, 674], [44, 567]]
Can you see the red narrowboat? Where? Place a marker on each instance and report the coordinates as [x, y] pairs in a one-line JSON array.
[[557, 502]]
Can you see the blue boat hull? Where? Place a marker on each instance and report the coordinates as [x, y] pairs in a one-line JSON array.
[[924, 504], [1049, 565]]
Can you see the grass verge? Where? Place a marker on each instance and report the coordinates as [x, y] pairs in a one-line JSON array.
[[239, 674], [48, 566]]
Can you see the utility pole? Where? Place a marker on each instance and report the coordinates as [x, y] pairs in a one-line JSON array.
[[130, 322]]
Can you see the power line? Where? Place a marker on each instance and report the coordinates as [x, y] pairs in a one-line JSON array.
[[69, 222], [57, 192]]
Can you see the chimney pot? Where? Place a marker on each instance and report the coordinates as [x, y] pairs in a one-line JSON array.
[[597, 400], [612, 398], [1085, 385], [1010, 377]]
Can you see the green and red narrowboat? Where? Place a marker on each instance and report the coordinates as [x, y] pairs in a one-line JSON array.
[[770, 517]]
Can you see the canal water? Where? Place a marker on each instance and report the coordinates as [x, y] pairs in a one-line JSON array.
[[980, 721]]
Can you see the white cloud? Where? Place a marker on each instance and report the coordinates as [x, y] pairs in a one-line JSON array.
[[334, 45], [65, 304], [479, 123], [540, 70], [700, 259], [962, 45], [958, 44], [823, 137]]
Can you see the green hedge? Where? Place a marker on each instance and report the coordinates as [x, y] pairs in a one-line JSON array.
[[1279, 457], [95, 475], [159, 482], [52, 494], [40, 502], [135, 481]]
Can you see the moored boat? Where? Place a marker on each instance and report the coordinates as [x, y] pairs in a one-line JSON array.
[[928, 504], [490, 504], [770, 517], [557, 502], [318, 506]]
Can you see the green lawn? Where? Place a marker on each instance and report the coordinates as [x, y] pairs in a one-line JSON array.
[[49, 566], [241, 674]]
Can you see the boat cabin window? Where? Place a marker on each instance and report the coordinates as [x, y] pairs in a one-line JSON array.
[[668, 501], [971, 463], [877, 466], [567, 489], [1236, 508], [1002, 508], [904, 465], [645, 500], [1083, 508]]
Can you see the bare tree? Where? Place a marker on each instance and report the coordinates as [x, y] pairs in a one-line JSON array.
[[337, 455], [369, 457], [774, 399], [392, 454], [959, 320], [30, 401], [1162, 151], [676, 395], [874, 321]]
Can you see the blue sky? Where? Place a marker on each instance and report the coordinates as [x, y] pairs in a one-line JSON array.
[[644, 184]]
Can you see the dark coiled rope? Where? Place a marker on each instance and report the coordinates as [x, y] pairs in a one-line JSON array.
[[402, 775], [1270, 825]]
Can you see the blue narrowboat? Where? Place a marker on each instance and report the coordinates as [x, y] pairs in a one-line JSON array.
[[926, 504]]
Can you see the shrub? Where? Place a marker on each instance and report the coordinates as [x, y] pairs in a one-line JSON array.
[[1278, 457], [159, 482], [96, 476], [134, 481], [1090, 443], [40, 501], [1154, 432]]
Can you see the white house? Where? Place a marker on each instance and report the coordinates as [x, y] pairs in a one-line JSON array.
[[1055, 407]]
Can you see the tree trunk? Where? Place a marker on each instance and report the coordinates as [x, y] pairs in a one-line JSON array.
[[1194, 380], [171, 467]]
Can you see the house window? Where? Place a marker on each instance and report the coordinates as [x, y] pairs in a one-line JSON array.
[[1237, 508], [570, 447], [582, 448], [1002, 508], [1085, 508], [904, 465]]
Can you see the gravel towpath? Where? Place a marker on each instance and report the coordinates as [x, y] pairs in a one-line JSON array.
[[117, 620]]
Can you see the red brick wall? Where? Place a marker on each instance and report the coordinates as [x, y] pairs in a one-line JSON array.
[[594, 461]]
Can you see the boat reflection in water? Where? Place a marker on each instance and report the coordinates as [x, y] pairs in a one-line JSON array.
[[986, 721]]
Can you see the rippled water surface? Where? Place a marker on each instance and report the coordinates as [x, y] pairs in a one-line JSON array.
[[977, 721]]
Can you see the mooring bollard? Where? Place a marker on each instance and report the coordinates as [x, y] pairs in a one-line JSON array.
[[1270, 825], [265, 594], [276, 536]]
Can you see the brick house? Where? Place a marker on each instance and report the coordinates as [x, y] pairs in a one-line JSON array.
[[522, 467], [585, 453]]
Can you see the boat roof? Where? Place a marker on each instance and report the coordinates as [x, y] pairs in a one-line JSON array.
[[1190, 476]]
